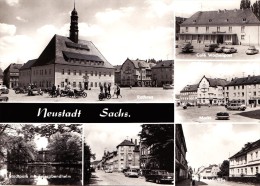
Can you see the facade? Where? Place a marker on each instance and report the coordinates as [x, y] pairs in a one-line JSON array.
[[25, 73], [162, 73], [117, 74], [11, 75], [136, 73], [210, 172], [126, 156], [244, 90], [178, 22], [211, 91], [1, 77], [246, 162], [71, 61], [222, 26], [147, 160], [189, 94], [181, 164]]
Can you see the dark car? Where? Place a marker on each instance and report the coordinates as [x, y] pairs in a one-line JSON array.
[[210, 47], [219, 49], [187, 47], [4, 89], [159, 176]]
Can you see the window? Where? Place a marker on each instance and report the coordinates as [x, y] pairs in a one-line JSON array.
[[68, 72], [244, 19], [242, 30], [105, 73], [62, 71], [91, 84], [95, 84], [86, 73], [230, 29], [109, 74], [75, 72], [194, 21], [99, 73], [218, 29], [49, 71], [45, 72], [210, 20], [207, 29], [242, 37], [196, 29], [95, 73], [80, 73], [91, 73], [243, 94], [187, 29], [74, 84]]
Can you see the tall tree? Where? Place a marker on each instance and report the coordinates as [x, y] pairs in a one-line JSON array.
[[160, 138], [224, 169], [245, 4], [87, 157]]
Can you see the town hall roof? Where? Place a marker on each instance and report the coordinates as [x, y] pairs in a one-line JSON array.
[[13, 67], [61, 50], [247, 148], [222, 17]]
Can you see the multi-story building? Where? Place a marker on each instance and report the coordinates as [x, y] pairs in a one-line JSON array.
[[209, 172], [222, 26], [118, 74], [181, 164], [246, 162], [11, 75], [211, 91], [1, 77], [69, 60], [244, 90], [162, 73], [136, 73], [189, 94], [178, 22], [25, 73]]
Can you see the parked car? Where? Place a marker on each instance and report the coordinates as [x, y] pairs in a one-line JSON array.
[[210, 47], [222, 116], [236, 106], [219, 49], [167, 86], [252, 50], [159, 176], [189, 104], [108, 170], [132, 173], [4, 89], [229, 50], [187, 47]]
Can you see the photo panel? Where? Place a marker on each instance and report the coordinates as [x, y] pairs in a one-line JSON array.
[[41, 154], [217, 154], [128, 154], [210, 91]]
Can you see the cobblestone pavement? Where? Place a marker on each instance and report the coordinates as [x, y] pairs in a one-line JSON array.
[[135, 95]]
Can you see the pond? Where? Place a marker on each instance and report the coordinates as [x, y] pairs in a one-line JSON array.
[[21, 174]]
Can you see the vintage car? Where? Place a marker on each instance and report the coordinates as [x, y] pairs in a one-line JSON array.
[[4, 89], [236, 106], [219, 49], [159, 176], [187, 47], [167, 86], [222, 116], [131, 173], [210, 47], [108, 170], [252, 50], [229, 50]]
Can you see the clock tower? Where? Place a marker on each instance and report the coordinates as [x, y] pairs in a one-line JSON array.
[[74, 30]]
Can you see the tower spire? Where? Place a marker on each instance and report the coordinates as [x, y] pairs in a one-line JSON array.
[[74, 25]]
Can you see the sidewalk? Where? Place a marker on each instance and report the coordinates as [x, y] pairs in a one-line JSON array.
[[187, 182]]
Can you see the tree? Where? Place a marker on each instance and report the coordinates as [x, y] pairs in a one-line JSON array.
[[245, 4], [224, 169], [87, 157], [160, 138], [65, 147]]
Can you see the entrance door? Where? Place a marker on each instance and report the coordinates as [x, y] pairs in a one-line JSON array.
[[86, 85], [220, 39]]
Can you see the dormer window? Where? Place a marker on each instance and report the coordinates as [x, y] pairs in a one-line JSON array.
[[227, 20], [194, 21], [244, 19], [210, 20]]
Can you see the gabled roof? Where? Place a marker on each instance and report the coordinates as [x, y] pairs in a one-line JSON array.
[[28, 64], [139, 63], [60, 49], [126, 143], [190, 88], [164, 64], [222, 17], [247, 148], [13, 68], [214, 82], [245, 81]]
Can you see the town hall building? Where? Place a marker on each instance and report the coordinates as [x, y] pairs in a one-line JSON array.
[[69, 60]]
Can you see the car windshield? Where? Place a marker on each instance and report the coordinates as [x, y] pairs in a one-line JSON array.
[[162, 172]]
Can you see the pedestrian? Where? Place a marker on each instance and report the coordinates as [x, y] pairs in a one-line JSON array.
[[101, 88], [118, 91], [105, 88], [58, 91], [53, 90], [108, 88], [193, 182]]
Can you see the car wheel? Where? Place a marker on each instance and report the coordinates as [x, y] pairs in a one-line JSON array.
[[84, 94]]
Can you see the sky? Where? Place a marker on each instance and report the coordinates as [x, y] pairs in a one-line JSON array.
[[213, 143], [107, 136], [119, 29], [192, 72], [186, 8]]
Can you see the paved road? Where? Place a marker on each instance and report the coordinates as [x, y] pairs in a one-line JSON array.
[[214, 183], [208, 114], [117, 178], [134, 95]]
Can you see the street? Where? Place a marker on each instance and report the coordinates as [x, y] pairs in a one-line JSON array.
[[199, 53], [208, 114], [117, 178], [135, 95], [214, 183]]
